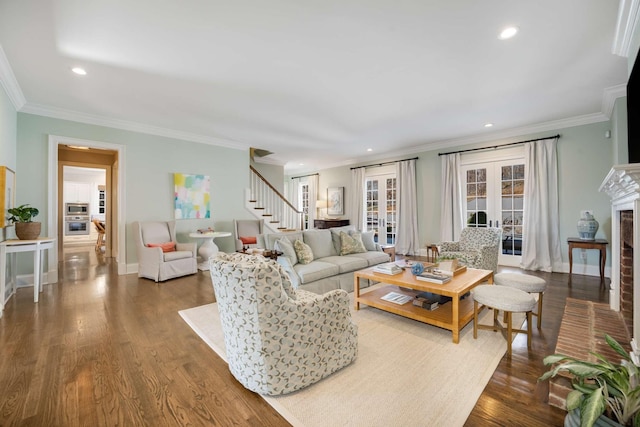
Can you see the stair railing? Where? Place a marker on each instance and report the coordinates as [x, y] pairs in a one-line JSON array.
[[274, 205]]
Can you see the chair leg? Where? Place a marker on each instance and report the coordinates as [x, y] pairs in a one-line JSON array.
[[475, 319], [539, 315], [529, 327], [509, 332]]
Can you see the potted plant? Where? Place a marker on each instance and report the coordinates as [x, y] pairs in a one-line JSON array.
[[447, 262], [602, 391], [22, 217]]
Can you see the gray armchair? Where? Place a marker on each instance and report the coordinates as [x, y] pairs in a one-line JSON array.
[[246, 231], [279, 339], [477, 247], [160, 256]]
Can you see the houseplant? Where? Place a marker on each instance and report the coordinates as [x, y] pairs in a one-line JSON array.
[[22, 217], [600, 388]]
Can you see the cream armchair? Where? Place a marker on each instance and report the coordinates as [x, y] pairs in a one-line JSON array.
[[477, 248], [246, 231], [160, 256], [279, 339]]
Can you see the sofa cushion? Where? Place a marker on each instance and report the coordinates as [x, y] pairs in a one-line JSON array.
[[335, 235], [316, 270], [171, 256], [351, 244], [372, 258], [320, 243], [347, 264], [303, 251], [286, 247], [270, 239], [367, 239]]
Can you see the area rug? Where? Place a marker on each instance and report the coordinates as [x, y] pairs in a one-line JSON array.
[[406, 373]]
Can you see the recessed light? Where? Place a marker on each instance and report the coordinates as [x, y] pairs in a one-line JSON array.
[[300, 164], [369, 149], [508, 32], [488, 125], [79, 71]]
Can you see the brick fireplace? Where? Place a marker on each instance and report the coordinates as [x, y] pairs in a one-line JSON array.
[[622, 184]]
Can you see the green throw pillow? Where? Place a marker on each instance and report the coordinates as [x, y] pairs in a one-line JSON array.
[[303, 251], [351, 244]]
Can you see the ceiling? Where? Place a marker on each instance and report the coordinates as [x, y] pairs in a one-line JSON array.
[[316, 82]]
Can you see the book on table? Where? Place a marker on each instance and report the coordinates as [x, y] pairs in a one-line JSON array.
[[396, 298], [388, 268], [432, 277], [426, 303]]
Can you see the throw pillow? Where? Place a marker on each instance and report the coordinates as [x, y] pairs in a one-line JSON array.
[[367, 239], [284, 245], [166, 247], [249, 240], [303, 251], [351, 244]]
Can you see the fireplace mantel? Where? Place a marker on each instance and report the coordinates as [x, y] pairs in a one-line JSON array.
[[622, 184]]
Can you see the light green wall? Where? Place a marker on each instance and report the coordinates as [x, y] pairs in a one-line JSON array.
[[8, 133], [584, 159], [272, 173], [150, 164]]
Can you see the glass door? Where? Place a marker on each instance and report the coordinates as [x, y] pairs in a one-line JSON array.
[[494, 197], [380, 207]]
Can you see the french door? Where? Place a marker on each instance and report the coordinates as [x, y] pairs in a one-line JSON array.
[[380, 207], [494, 197]]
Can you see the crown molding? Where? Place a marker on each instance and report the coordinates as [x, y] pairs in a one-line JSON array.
[[610, 96], [9, 82], [63, 114], [628, 18]]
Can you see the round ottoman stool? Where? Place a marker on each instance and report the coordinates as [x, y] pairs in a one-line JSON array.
[[510, 300], [527, 283]]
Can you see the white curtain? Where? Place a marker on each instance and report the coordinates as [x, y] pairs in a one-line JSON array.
[[356, 201], [452, 216], [541, 228], [407, 239], [312, 182]]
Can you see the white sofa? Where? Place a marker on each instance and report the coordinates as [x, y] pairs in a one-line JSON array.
[[329, 270]]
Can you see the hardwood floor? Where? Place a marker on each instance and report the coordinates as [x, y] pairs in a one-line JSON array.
[[103, 349]]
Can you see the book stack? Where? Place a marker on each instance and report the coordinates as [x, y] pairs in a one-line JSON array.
[[433, 277], [387, 268], [426, 303]]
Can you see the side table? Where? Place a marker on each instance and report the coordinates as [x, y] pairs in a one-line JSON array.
[[599, 244], [208, 248], [432, 252], [389, 249], [12, 247]]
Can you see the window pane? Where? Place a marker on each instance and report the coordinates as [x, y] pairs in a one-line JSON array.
[[482, 175], [507, 203], [506, 173], [518, 171], [518, 187], [471, 176]]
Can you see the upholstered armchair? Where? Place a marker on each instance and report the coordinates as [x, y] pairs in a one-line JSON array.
[[279, 339], [160, 256], [477, 247], [246, 232]]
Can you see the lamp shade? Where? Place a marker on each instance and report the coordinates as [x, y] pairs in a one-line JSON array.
[[321, 204]]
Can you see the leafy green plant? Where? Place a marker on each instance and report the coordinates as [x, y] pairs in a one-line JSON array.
[[600, 387], [23, 213]]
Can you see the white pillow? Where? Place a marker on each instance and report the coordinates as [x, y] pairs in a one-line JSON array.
[[367, 239]]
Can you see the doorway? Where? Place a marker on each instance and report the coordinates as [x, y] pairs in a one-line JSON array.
[[380, 207]]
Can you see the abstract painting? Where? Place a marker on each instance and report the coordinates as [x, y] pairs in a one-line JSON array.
[[191, 195]]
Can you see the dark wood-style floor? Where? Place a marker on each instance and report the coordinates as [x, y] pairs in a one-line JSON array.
[[101, 350]]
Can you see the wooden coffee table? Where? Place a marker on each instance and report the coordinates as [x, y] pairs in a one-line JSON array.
[[453, 315]]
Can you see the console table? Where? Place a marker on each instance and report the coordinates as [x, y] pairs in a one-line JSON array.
[[599, 244], [13, 246], [329, 223]]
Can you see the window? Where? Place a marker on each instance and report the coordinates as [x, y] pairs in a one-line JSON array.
[[380, 207]]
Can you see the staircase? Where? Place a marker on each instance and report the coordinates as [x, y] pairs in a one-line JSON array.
[[265, 202]]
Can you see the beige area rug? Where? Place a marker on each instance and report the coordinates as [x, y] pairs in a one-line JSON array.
[[407, 373]]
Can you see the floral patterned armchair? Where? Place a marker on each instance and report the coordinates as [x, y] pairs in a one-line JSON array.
[[477, 248], [279, 339]]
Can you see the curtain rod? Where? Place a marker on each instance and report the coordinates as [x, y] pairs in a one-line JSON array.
[[383, 164], [304, 176], [499, 146]]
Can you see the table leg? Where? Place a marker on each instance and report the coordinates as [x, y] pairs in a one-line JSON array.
[[570, 259], [455, 319], [603, 261], [206, 251], [3, 276], [356, 291], [36, 274]]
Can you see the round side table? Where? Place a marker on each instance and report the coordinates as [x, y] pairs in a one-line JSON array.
[[208, 248]]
